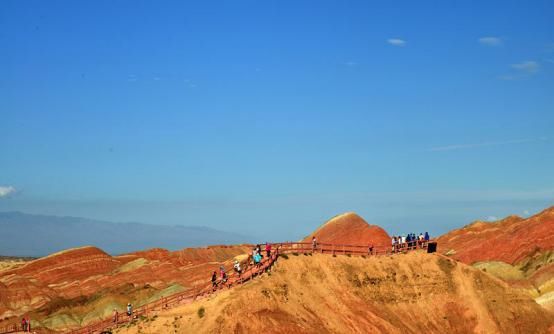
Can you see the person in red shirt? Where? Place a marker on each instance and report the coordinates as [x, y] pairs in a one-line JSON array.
[[268, 250]]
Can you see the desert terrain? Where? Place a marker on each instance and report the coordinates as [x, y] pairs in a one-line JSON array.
[[486, 281], [517, 250], [412, 293]]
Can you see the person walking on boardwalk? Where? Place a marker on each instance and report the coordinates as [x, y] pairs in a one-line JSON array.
[[223, 274], [24, 324], [314, 244], [214, 280], [237, 267], [268, 250], [129, 309], [115, 316]]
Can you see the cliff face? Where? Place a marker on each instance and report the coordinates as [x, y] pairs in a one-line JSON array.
[[349, 228], [509, 240], [519, 251], [412, 293]]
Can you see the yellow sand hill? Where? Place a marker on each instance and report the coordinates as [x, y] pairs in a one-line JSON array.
[[412, 293]]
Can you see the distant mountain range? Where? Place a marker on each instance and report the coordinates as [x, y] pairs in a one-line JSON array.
[[24, 234]]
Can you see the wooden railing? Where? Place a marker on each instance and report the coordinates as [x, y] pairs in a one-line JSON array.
[[234, 279]]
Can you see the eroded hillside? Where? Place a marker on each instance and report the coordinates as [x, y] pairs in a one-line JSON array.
[[78, 286], [349, 228], [412, 293], [519, 251]]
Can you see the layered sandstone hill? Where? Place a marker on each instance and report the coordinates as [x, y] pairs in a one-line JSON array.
[[518, 250], [412, 293], [349, 228], [77, 286]]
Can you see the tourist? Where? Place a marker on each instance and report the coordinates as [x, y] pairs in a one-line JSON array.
[[24, 324], [426, 236], [237, 267], [223, 274], [258, 260], [129, 309], [29, 325], [370, 250], [115, 316], [268, 250], [214, 280], [314, 244]]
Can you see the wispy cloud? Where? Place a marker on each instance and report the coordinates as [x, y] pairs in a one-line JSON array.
[[522, 70], [6, 190], [492, 218], [528, 66], [396, 42], [490, 41], [485, 144]]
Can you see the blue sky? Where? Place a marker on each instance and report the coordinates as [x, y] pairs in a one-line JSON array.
[[268, 117]]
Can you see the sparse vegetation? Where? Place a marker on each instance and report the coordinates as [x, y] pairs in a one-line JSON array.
[[201, 312], [284, 256]]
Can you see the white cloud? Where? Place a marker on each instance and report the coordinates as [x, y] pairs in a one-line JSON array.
[[528, 66], [6, 190], [492, 218], [490, 41], [485, 144], [526, 212], [507, 77], [396, 41]]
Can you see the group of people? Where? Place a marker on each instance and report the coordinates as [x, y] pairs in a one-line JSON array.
[[410, 240], [116, 313], [255, 259], [26, 325], [257, 256], [223, 275]]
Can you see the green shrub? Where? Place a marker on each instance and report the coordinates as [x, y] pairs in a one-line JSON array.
[[201, 312]]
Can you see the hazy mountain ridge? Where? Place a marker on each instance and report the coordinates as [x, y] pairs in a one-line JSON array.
[[38, 235]]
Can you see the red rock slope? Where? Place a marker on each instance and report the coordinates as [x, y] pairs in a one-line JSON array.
[[509, 240], [79, 283], [349, 228]]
